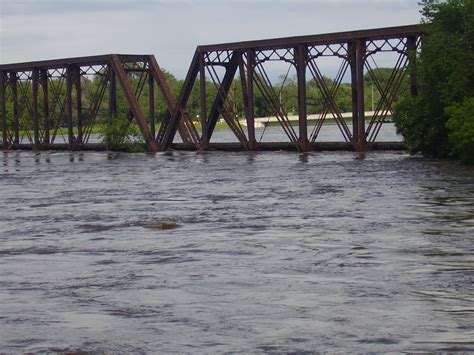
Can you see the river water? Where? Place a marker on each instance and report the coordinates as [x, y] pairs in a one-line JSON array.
[[235, 252]]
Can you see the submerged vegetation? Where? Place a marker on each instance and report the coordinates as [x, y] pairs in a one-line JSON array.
[[123, 132]]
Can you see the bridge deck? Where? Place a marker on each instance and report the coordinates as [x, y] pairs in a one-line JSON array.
[[226, 147]]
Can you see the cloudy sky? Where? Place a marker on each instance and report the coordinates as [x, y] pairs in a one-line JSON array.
[[171, 29]]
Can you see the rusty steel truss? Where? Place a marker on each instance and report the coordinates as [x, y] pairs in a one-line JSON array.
[[47, 100], [51, 107]]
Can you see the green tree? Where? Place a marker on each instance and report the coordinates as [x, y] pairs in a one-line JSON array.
[[461, 126], [438, 122]]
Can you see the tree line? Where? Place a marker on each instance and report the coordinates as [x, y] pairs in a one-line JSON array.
[[286, 89]]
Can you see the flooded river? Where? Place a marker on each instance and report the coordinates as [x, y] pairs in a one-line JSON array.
[[235, 252]]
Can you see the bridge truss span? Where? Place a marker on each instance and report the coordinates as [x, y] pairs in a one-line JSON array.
[[61, 103], [355, 53], [42, 104]]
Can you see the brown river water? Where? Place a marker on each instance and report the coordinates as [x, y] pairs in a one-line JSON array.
[[235, 252]]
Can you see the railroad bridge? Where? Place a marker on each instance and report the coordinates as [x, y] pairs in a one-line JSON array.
[[42, 103]]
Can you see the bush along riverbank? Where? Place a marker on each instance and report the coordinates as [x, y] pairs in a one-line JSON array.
[[439, 121]]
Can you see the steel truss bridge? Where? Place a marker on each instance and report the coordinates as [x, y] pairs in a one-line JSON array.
[[43, 106]]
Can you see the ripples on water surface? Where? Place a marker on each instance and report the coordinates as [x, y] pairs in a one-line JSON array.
[[272, 252]]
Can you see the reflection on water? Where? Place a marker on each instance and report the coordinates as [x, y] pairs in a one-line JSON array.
[[214, 252]]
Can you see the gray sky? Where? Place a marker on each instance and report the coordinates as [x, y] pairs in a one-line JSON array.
[[171, 29]]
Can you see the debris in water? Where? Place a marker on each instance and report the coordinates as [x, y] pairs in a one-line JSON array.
[[162, 226]]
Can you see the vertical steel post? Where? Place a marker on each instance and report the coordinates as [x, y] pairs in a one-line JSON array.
[[245, 96], [112, 95], [3, 104], [202, 86], [249, 109], [151, 101], [80, 123], [356, 54], [300, 53], [35, 79], [16, 119], [411, 53], [44, 85], [69, 86], [352, 57], [360, 63]]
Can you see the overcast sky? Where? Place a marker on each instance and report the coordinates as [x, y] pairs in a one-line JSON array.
[[171, 29]]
